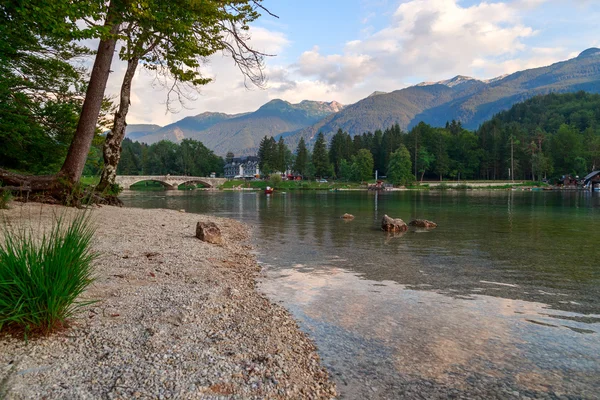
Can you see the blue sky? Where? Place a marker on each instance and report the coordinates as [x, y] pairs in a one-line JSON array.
[[344, 50]]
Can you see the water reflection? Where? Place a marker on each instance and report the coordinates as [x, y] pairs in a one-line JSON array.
[[501, 299], [387, 336], [546, 240]]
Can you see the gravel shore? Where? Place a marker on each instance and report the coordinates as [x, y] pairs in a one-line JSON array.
[[176, 318]]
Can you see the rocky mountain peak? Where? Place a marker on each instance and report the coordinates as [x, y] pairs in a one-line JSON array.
[[335, 106], [457, 80]]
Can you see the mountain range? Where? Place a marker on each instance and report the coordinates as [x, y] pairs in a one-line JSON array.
[[462, 98], [241, 133]]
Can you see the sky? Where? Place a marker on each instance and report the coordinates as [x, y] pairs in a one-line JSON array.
[[343, 50]]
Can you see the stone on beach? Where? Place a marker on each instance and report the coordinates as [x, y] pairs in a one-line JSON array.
[[393, 224], [209, 232], [423, 223]]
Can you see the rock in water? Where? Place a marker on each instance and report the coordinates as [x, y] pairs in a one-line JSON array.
[[209, 232], [347, 216], [423, 223], [393, 225]]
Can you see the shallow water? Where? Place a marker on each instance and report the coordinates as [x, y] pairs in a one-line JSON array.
[[500, 301]]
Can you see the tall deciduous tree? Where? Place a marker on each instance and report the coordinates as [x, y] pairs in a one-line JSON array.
[[172, 38], [566, 145], [426, 160], [400, 166], [364, 164], [86, 127]]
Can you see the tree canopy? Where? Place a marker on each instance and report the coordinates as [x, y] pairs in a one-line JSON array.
[[40, 86]]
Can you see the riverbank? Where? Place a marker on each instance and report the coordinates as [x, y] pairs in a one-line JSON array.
[[258, 185], [176, 318]]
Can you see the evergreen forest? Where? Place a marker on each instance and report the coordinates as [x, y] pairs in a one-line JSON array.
[[544, 137]]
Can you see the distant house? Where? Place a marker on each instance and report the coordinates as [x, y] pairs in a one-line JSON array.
[[242, 168]]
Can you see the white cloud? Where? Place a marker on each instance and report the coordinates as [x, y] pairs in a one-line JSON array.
[[339, 70], [424, 40], [226, 93], [434, 38]]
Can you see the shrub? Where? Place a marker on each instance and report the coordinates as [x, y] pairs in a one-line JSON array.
[[442, 186], [41, 279], [462, 186], [114, 189], [275, 180], [5, 197]]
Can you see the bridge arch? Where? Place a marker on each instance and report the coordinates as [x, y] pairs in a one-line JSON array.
[[166, 185], [196, 181]]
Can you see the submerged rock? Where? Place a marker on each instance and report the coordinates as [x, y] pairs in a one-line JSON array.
[[209, 232], [393, 225], [347, 216], [423, 223]]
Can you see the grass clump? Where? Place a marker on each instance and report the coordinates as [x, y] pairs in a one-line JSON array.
[[41, 279], [5, 198]]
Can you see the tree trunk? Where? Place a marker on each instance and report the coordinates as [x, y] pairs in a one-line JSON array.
[[86, 128], [112, 145]]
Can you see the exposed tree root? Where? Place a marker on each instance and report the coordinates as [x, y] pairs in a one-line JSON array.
[[54, 189]]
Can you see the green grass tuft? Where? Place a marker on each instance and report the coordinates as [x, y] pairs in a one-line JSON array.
[[41, 279], [5, 198]]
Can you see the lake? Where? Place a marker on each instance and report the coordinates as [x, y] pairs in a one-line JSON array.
[[502, 300]]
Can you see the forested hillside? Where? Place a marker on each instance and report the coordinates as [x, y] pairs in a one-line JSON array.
[[544, 137], [463, 99], [551, 135], [189, 157]]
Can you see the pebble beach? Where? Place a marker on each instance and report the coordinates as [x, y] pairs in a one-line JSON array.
[[175, 317]]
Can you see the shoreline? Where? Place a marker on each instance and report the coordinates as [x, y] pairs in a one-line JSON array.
[[177, 318]]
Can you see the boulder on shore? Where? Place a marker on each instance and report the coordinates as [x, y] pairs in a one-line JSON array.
[[209, 232], [347, 216], [393, 225], [423, 223]]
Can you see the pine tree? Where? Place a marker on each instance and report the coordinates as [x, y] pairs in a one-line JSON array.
[[301, 164], [281, 155], [263, 151], [267, 154], [339, 149], [320, 158]]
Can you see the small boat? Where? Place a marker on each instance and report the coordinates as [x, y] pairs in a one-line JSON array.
[[268, 190]]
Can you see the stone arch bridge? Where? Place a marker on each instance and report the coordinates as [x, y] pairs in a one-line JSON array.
[[168, 181]]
